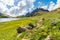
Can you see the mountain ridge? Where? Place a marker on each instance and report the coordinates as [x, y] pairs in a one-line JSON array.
[[37, 11]]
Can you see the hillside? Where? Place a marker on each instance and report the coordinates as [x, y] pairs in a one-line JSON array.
[[50, 26]]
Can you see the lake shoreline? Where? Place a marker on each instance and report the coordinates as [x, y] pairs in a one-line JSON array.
[[8, 19]]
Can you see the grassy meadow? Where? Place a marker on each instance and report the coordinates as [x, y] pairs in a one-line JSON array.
[[8, 30]]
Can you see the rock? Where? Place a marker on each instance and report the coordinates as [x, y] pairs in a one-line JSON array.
[[21, 29]]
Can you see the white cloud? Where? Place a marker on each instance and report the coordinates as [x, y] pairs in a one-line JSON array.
[[45, 7], [52, 5], [10, 2], [40, 4], [21, 9], [22, 3], [3, 7]]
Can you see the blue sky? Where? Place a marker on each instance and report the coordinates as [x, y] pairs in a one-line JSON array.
[[44, 2], [21, 7]]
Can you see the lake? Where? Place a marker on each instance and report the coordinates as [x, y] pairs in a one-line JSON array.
[[8, 19]]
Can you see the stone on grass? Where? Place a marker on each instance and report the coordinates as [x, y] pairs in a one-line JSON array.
[[21, 29]]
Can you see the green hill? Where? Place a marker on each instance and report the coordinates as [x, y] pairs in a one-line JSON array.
[[50, 26]]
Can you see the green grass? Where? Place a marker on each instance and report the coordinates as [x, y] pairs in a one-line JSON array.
[[8, 30]]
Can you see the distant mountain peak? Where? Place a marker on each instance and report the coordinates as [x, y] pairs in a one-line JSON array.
[[36, 11]]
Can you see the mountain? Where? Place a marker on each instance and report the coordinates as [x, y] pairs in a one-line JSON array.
[[3, 15], [37, 11]]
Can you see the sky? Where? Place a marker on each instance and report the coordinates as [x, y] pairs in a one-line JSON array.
[[21, 7]]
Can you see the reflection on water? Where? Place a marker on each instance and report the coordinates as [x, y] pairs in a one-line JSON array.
[[7, 19]]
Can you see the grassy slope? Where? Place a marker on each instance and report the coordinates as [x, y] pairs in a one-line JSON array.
[[8, 29]]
